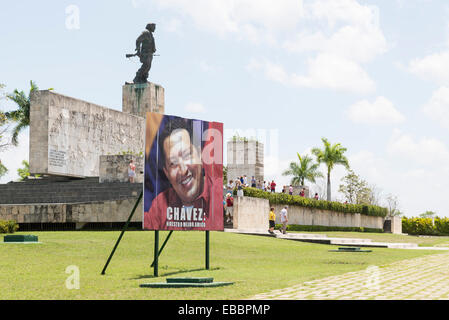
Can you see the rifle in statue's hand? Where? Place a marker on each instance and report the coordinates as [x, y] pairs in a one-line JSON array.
[[132, 55], [137, 55]]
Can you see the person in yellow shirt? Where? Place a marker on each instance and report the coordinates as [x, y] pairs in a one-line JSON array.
[[271, 219]]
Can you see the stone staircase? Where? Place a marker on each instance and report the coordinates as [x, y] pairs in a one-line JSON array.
[[323, 239], [47, 190]]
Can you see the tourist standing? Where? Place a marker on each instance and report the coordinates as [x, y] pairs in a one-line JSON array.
[[131, 171], [273, 186], [230, 187], [265, 186], [239, 189], [316, 196], [271, 220], [253, 182], [290, 190], [245, 180], [284, 219], [229, 207]]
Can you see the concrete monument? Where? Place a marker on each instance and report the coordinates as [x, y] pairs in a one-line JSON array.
[[245, 157]]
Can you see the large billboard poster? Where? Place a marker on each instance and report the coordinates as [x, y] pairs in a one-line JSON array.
[[183, 187]]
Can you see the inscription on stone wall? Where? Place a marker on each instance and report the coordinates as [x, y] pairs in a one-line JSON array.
[[57, 158]]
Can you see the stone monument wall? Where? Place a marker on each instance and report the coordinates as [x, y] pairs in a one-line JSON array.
[[114, 168], [68, 136]]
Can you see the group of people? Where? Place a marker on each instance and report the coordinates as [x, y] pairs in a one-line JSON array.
[[243, 182], [302, 193]]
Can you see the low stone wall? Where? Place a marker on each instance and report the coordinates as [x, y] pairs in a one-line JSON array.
[[114, 168], [317, 217], [107, 211], [252, 213]]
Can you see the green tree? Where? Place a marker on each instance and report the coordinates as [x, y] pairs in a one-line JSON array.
[[24, 172], [3, 169], [393, 206], [331, 155], [21, 116], [355, 189], [428, 214], [304, 169], [225, 175], [4, 141]]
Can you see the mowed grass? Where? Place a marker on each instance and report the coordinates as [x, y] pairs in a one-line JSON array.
[[255, 264], [422, 241]]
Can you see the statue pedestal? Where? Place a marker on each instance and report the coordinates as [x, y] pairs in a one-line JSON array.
[[140, 98]]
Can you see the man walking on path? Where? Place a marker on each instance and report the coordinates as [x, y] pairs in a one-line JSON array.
[[284, 219]]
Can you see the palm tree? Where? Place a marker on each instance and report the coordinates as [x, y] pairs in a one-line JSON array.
[[303, 170], [22, 115], [331, 155]]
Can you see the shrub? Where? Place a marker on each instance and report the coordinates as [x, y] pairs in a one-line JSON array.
[[9, 226], [442, 225], [425, 226], [283, 198]]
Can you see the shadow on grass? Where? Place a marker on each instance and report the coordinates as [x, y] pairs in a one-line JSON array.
[[172, 273]]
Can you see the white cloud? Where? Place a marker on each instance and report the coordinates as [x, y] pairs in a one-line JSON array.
[[432, 67], [335, 52], [438, 106], [359, 38], [253, 20], [424, 151], [420, 183], [381, 111], [324, 71], [195, 107]]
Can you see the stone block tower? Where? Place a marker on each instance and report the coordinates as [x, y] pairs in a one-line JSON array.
[[245, 158]]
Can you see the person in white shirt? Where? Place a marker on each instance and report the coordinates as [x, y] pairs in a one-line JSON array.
[[284, 219]]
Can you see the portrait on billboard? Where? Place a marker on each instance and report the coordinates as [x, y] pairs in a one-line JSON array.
[[183, 187]]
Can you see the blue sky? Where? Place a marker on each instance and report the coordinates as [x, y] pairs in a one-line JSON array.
[[372, 75]]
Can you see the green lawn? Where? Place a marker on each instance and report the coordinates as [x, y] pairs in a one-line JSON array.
[[255, 264], [422, 241]]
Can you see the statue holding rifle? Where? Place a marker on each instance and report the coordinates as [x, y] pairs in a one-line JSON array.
[[145, 49]]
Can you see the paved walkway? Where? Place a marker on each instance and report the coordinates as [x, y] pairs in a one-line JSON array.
[[420, 278]]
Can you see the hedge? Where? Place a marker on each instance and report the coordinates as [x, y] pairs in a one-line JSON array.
[[9, 226], [283, 198], [297, 227], [425, 226]]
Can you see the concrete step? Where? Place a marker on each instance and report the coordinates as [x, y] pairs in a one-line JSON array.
[[303, 235], [66, 192], [323, 239], [350, 240]]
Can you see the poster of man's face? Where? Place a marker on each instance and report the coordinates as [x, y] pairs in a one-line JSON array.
[[183, 174]]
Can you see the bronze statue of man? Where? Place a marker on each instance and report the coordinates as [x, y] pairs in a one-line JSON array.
[[145, 48]]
